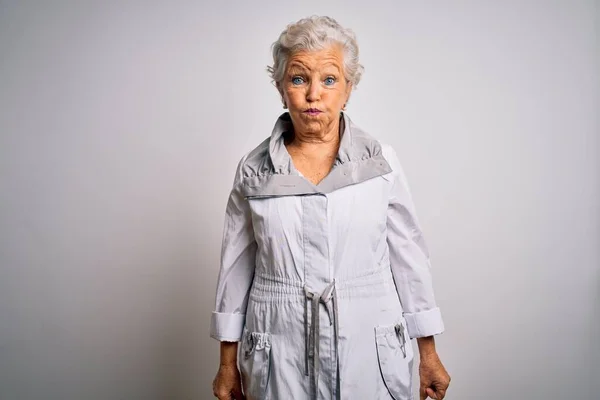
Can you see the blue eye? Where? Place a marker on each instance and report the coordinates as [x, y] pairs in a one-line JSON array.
[[297, 80], [329, 81]]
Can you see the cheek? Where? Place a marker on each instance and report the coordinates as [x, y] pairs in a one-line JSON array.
[[335, 97], [296, 96]]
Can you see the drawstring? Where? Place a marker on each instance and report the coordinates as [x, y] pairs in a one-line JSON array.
[[399, 328], [311, 337]]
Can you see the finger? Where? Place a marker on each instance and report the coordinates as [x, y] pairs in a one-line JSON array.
[[431, 393], [222, 395], [238, 395], [441, 394], [237, 390]]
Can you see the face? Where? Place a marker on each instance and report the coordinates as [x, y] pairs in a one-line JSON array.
[[315, 89]]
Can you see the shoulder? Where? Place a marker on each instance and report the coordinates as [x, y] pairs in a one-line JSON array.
[[397, 175], [390, 155], [253, 162], [364, 145]]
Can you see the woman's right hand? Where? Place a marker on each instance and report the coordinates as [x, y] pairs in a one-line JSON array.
[[227, 385]]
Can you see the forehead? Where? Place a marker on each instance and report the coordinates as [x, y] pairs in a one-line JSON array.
[[330, 56]]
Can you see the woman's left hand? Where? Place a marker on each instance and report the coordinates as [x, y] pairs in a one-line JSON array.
[[434, 377]]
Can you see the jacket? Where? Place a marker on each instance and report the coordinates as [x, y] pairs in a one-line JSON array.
[[324, 285]]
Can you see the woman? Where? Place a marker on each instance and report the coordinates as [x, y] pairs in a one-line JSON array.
[[324, 273]]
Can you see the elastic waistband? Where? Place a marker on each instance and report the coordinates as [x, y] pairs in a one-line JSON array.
[[373, 283]]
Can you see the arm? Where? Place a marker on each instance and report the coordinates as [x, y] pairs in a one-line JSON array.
[[426, 346], [227, 385], [409, 257], [236, 272], [432, 373], [229, 354], [409, 260]]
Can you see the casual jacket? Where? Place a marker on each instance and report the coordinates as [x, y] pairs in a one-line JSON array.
[[324, 285]]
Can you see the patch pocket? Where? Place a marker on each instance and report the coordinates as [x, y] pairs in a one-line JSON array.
[[255, 360], [395, 356]]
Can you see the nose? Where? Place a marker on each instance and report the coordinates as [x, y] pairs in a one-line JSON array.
[[314, 91]]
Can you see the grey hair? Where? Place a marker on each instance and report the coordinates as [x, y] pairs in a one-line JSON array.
[[315, 33]]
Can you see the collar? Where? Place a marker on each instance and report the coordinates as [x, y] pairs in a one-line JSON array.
[[359, 158]]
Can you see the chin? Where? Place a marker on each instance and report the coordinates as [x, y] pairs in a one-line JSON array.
[[312, 126]]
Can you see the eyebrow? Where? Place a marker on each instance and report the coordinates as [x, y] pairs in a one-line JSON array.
[[333, 67], [331, 64], [297, 67]]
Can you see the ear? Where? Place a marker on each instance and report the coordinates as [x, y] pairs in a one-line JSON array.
[[280, 90], [348, 91]]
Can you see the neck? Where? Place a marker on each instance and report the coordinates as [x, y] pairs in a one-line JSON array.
[[326, 139]]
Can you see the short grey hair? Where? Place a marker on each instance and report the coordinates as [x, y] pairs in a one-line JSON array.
[[315, 33]]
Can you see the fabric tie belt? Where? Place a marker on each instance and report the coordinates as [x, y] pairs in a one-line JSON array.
[[311, 337]]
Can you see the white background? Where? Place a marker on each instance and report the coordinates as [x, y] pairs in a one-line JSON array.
[[121, 124]]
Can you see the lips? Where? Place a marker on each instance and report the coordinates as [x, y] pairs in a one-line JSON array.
[[313, 111]]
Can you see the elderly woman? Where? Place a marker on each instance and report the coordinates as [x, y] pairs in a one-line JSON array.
[[324, 276]]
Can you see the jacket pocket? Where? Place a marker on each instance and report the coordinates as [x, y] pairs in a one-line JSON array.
[[255, 361], [395, 356]]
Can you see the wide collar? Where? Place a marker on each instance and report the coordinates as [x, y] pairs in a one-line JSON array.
[[359, 158]]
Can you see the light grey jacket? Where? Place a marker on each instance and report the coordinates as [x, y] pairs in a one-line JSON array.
[[324, 285]]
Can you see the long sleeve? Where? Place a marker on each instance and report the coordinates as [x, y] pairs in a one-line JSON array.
[[409, 257], [238, 251]]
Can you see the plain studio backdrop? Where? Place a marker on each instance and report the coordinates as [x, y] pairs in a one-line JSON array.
[[121, 125]]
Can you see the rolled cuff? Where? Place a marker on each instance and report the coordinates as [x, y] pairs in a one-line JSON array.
[[226, 327], [424, 323]]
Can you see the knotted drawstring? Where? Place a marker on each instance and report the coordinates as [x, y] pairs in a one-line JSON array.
[[311, 338]]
